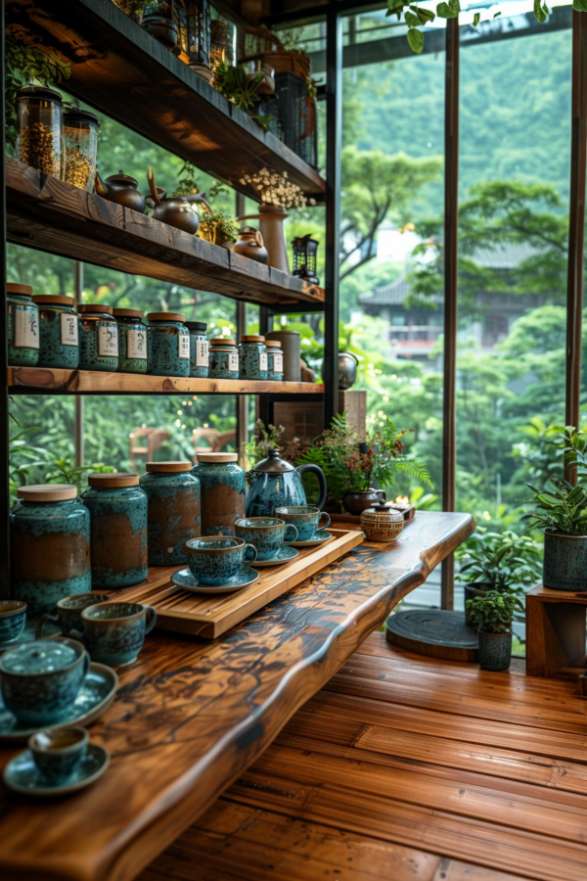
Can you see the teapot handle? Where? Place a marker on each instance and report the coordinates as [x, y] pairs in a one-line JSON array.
[[315, 469], [153, 186]]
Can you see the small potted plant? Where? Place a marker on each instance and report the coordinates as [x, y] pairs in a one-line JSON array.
[[492, 614], [561, 511]]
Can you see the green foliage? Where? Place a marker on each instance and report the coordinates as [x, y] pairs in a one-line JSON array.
[[562, 508], [503, 560], [493, 612]]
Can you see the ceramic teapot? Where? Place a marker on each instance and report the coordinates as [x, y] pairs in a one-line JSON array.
[[177, 210], [122, 189], [250, 244], [273, 482]]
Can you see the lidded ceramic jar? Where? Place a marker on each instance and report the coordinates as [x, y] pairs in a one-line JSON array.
[[118, 519], [169, 344], [253, 357], [59, 332], [223, 491], [381, 523], [22, 318], [132, 340], [274, 360], [39, 142], [173, 494], [199, 349], [80, 147], [224, 358], [50, 545], [98, 346]]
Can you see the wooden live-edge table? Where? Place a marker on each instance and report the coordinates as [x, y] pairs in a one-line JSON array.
[[189, 717]]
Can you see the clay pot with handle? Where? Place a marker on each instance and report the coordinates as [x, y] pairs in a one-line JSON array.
[[122, 189], [177, 210], [250, 244]]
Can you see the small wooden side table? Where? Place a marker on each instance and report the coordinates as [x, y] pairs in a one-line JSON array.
[[555, 633]]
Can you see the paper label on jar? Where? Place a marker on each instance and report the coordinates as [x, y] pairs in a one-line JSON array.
[[278, 362], [26, 329], [202, 353], [233, 362], [108, 341], [136, 342], [184, 345], [263, 361], [69, 329]]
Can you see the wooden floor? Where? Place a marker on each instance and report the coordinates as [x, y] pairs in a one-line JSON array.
[[406, 769]]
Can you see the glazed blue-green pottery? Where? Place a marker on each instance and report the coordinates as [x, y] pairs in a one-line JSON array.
[[12, 620], [173, 494], [22, 320], [40, 680], [274, 483], [132, 341], [169, 344], [199, 349], [223, 491], [114, 633], [50, 546], [565, 562], [253, 357], [68, 612], [308, 519], [59, 331], [267, 534], [215, 559], [57, 754], [274, 360], [118, 518], [98, 338], [224, 359]]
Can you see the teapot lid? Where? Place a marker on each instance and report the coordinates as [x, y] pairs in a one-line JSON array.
[[273, 464], [122, 178]]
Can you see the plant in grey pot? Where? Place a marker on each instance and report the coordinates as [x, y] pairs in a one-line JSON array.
[[492, 614], [561, 511]]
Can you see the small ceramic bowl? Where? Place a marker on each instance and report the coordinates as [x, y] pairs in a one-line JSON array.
[[57, 754], [12, 620]]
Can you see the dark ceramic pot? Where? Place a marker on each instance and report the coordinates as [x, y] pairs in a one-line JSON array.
[[347, 370], [495, 650], [472, 591], [357, 502], [565, 562]]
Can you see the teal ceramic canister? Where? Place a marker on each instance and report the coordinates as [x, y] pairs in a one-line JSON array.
[[274, 360], [98, 338], [223, 491], [22, 319], [169, 344], [253, 357], [199, 349], [173, 494], [132, 341], [50, 546], [224, 358], [118, 520], [59, 331]]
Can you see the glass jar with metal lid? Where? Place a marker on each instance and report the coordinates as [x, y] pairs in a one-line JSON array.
[[98, 349], [118, 520], [274, 360], [59, 333], [50, 545], [224, 360], [80, 147], [39, 139], [132, 341], [169, 344], [173, 493], [199, 349], [22, 319], [223, 491], [253, 357]]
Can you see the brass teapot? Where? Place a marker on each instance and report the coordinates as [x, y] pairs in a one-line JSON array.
[[122, 189], [176, 210]]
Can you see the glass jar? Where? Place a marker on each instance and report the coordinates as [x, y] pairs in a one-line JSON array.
[[39, 138], [118, 520], [173, 494], [22, 319], [274, 360], [80, 148], [50, 546], [59, 332], [199, 349], [169, 344], [132, 341], [98, 349], [224, 360], [253, 357], [223, 491], [222, 42]]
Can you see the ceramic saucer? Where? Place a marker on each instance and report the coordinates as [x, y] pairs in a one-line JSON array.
[[284, 555], [186, 581], [320, 536], [22, 775], [95, 695]]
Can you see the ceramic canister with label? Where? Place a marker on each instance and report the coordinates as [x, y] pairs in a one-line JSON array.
[[98, 331], [169, 344], [173, 493], [132, 338], [274, 360], [253, 357], [22, 318], [223, 491], [59, 332], [224, 358], [199, 349]]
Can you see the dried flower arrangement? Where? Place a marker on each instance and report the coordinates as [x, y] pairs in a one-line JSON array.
[[276, 189]]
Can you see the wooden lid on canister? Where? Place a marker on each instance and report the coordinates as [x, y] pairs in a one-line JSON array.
[[252, 338], [127, 313], [222, 341], [24, 290], [57, 299], [47, 492], [165, 316], [115, 480], [95, 307], [217, 457], [275, 344], [168, 467]]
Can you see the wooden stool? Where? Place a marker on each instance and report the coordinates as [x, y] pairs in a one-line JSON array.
[[555, 633]]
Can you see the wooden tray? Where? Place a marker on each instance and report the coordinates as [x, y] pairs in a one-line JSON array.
[[210, 617]]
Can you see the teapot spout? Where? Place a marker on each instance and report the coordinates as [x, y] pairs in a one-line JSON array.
[[153, 188], [100, 186]]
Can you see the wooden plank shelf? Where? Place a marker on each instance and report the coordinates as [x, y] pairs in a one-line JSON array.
[[53, 380], [49, 214], [117, 67]]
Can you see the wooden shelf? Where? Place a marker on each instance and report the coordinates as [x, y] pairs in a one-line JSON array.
[[87, 382], [49, 214], [117, 67]]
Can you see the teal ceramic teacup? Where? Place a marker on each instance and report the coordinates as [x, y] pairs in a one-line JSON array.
[[215, 559], [307, 519], [114, 632], [68, 611], [40, 680], [58, 754], [267, 534], [12, 620]]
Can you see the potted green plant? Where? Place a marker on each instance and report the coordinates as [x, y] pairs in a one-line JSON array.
[[492, 614], [561, 511]]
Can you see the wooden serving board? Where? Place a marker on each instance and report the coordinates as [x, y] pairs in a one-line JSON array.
[[210, 616]]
